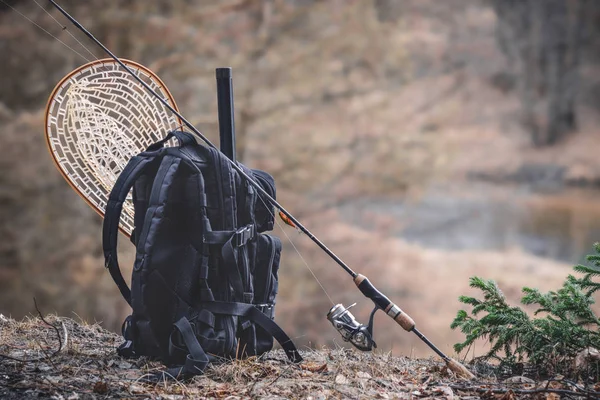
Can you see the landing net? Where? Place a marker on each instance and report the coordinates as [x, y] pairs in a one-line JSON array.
[[97, 118]]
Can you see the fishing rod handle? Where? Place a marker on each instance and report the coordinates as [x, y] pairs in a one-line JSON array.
[[381, 301]]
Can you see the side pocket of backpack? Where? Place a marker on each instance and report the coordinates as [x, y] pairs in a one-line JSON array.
[[266, 268], [264, 213]]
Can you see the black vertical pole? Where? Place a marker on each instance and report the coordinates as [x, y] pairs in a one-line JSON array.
[[225, 108]]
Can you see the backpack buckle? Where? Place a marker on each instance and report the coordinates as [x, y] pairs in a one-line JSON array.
[[126, 349], [243, 234], [267, 309]]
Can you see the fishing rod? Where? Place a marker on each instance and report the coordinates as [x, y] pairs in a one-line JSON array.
[[341, 318]]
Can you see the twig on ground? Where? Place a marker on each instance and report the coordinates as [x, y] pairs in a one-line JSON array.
[[60, 340], [61, 343]]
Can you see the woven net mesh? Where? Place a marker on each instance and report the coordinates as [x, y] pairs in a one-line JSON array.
[[98, 118]]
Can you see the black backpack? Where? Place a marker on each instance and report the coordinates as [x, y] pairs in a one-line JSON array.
[[205, 278]]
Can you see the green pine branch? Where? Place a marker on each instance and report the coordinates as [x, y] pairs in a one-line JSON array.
[[563, 324]]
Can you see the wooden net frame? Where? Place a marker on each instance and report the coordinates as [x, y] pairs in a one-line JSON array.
[[97, 118]]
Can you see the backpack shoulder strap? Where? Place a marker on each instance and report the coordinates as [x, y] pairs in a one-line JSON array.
[[122, 186], [110, 231]]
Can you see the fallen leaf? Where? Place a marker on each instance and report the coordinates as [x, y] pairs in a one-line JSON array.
[[341, 380], [585, 356], [136, 389], [124, 365], [510, 395], [101, 387], [518, 379], [553, 384], [43, 367], [363, 375], [317, 396], [53, 379], [314, 367], [444, 391]]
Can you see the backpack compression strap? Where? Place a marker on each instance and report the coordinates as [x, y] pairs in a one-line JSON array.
[[110, 231], [254, 314], [196, 358]]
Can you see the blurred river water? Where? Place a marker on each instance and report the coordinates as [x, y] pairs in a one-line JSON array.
[[561, 225]]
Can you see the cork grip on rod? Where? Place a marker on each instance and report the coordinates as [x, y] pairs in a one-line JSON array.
[[402, 318], [395, 312]]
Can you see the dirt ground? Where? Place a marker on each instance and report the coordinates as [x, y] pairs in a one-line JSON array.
[[74, 360]]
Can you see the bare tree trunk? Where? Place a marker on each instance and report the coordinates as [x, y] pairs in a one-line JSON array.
[[554, 31], [577, 17], [542, 41]]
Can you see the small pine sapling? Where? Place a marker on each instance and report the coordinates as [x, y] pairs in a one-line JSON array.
[[563, 324]]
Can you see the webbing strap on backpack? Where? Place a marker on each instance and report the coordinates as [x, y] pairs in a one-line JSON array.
[[196, 359], [254, 314], [229, 240], [110, 231]]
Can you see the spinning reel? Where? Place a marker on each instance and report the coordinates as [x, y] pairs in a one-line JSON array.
[[361, 336]]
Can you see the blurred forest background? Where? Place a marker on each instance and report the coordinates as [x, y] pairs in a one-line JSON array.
[[424, 141]]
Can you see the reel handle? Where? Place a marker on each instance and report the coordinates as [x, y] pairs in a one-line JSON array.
[[381, 301]]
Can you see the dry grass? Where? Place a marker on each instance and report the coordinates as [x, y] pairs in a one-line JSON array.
[[88, 367]]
